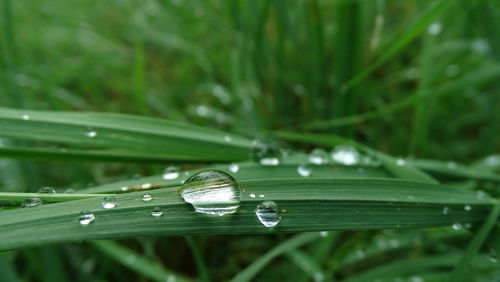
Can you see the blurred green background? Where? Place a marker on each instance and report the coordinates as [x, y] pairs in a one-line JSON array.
[[248, 67]]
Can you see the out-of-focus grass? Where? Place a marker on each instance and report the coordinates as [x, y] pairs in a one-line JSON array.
[[247, 67]]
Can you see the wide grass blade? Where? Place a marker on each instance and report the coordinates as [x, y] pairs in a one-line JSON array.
[[122, 134], [305, 205]]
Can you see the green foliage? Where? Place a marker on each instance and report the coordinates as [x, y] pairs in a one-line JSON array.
[[101, 97]]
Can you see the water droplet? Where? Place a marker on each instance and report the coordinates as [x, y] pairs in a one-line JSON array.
[[146, 186], [212, 192], [252, 195], [480, 46], [481, 195], [318, 156], [416, 279], [146, 197], [124, 188], [130, 259], [91, 133], [467, 208], [268, 214], [31, 202], [157, 212], [46, 190], [86, 217], [304, 170], [25, 117], [434, 28], [445, 210], [170, 173], [452, 165], [228, 139], [467, 225], [457, 226], [400, 162], [323, 234], [234, 168], [261, 196], [266, 152], [345, 155], [109, 202]]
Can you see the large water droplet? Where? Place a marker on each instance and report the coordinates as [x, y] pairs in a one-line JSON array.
[[212, 192], [146, 197], [109, 202], [318, 156], [345, 155], [234, 168], [157, 212], [31, 202], [170, 173], [266, 152], [46, 190], [85, 218], [268, 214], [304, 170]]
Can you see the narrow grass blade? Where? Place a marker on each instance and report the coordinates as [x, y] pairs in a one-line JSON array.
[[460, 271], [253, 269], [135, 262], [400, 42]]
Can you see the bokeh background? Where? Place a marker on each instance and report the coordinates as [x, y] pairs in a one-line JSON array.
[[247, 67]]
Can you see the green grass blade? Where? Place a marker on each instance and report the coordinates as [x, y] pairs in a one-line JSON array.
[[124, 133], [400, 42], [474, 78], [306, 204], [135, 262], [461, 269], [253, 269]]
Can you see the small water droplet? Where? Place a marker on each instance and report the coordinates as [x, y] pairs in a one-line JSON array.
[[146, 186], [157, 212], [171, 173], [467, 207], [25, 117], [323, 234], [86, 217], [268, 214], [31, 202], [130, 259], [416, 279], [212, 192], [252, 195], [445, 210], [400, 162], [452, 165], [228, 139], [261, 196], [481, 195], [266, 152], [109, 202], [46, 190], [91, 133], [304, 170], [318, 277], [318, 156], [467, 225], [345, 155], [434, 28], [234, 168], [146, 197], [124, 188], [457, 226]]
